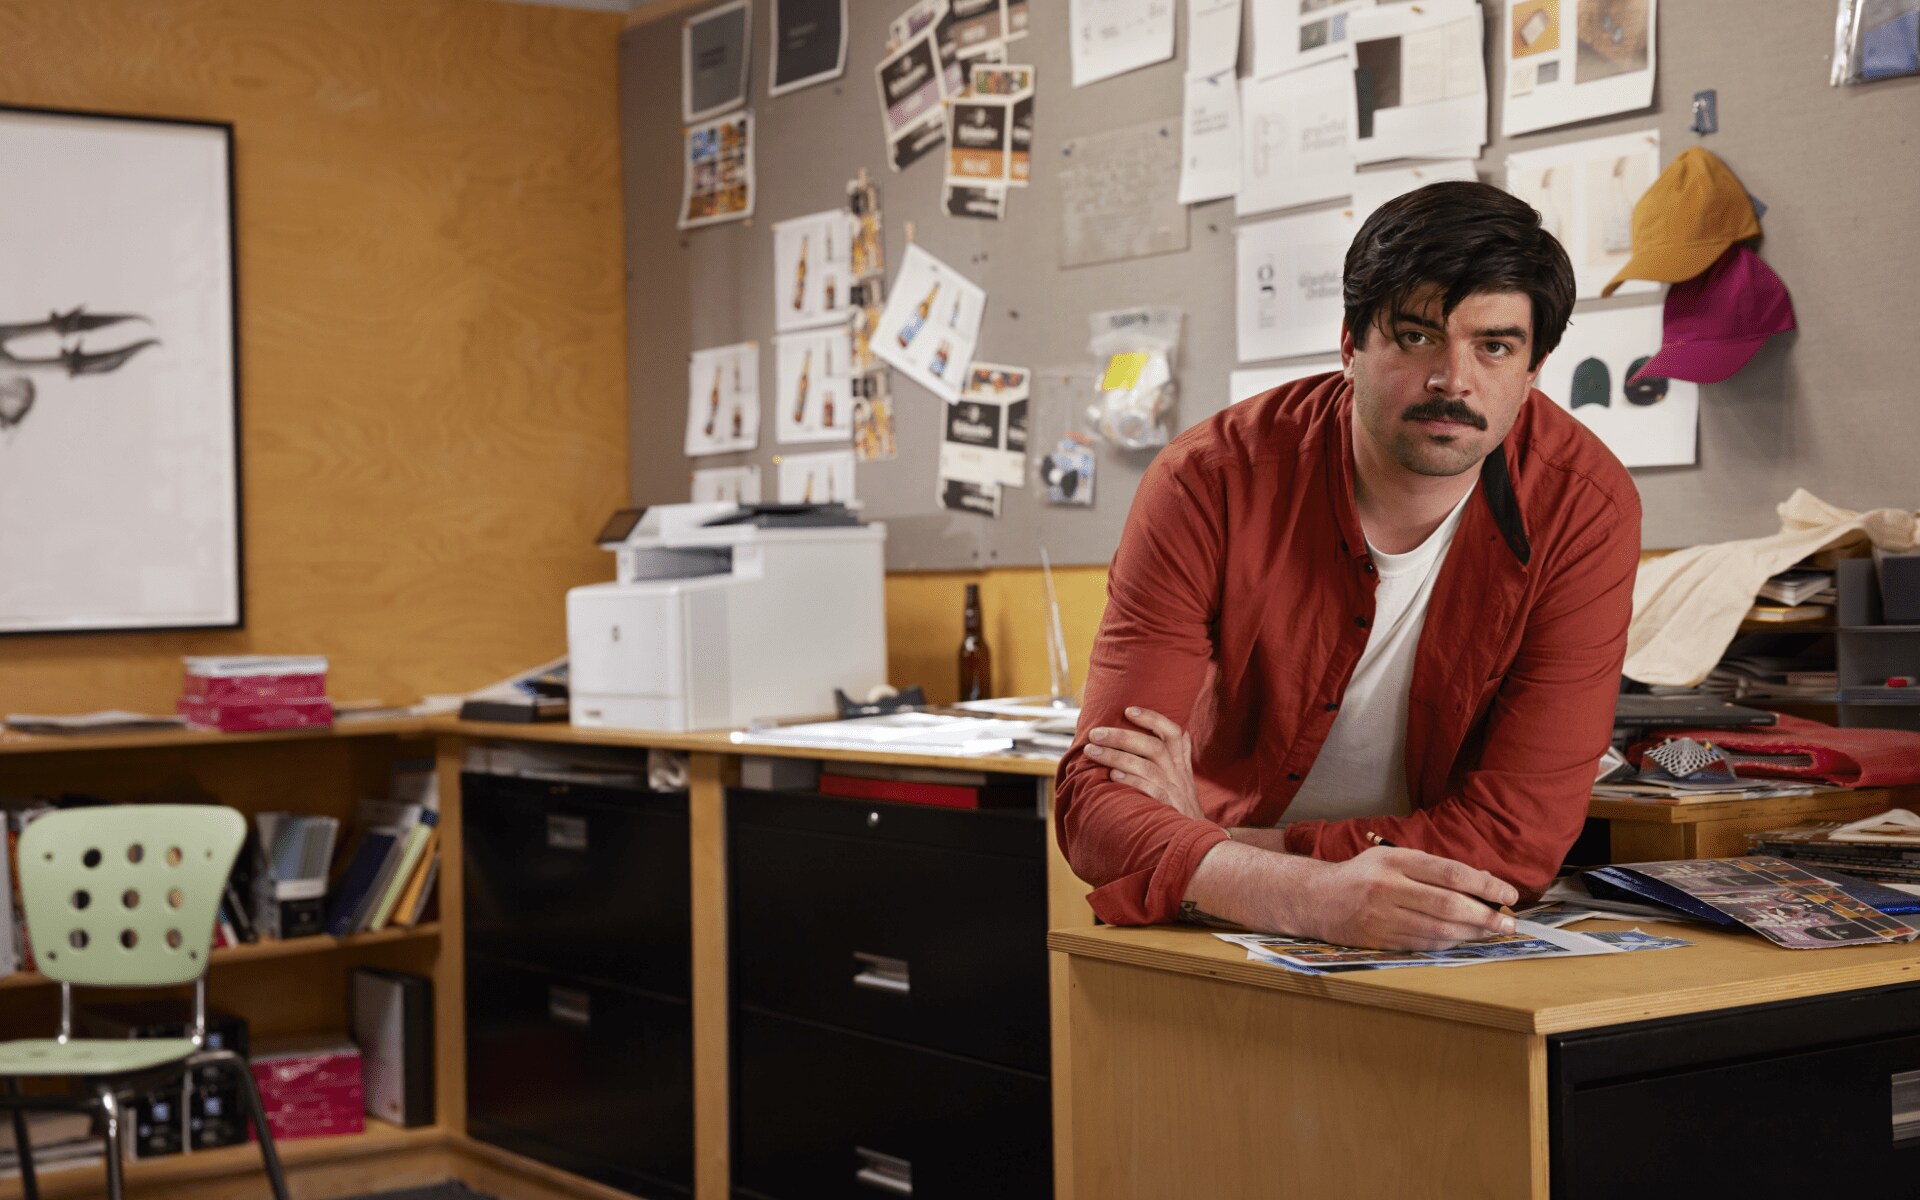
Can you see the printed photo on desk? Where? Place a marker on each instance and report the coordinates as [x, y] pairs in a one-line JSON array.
[[119, 379]]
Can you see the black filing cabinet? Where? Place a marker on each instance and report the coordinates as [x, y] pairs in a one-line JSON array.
[[1790, 1100], [579, 953], [889, 989]]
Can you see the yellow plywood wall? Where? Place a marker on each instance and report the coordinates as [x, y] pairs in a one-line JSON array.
[[433, 376], [924, 619]]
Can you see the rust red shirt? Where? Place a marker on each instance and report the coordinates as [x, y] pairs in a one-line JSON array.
[[1239, 601]]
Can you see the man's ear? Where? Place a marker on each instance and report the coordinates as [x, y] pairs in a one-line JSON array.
[[1533, 376], [1346, 350]]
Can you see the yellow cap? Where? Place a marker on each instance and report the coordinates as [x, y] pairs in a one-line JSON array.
[[1686, 220]]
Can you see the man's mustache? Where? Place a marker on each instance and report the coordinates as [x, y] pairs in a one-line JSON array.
[[1441, 409]]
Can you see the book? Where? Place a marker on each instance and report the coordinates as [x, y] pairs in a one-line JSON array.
[[1795, 612], [409, 900], [349, 899], [407, 863], [424, 899], [944, 795]]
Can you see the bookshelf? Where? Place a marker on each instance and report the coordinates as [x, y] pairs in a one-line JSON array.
[[273, 948]]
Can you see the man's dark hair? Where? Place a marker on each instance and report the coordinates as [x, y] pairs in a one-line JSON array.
[[1463, 238]]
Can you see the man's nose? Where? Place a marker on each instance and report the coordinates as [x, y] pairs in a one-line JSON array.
[[1452, 371]]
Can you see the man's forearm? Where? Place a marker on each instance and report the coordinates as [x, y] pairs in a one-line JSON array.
[[1259, 889], [1261, 837]]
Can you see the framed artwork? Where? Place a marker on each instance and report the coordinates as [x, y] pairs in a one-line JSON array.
[[119, 375]]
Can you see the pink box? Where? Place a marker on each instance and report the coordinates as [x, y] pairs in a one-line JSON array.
[[253, 716], [311, 1087], [253, 677]]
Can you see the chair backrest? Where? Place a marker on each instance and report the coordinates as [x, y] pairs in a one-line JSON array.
[[125, 895]]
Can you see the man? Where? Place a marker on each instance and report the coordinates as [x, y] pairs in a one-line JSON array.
[[1387, 607]]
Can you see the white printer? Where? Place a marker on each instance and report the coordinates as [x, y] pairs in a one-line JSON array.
[[712, 625]]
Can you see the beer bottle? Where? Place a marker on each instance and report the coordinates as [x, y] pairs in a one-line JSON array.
[[800, 278], [976, 660], [800, 392], [912, 328]]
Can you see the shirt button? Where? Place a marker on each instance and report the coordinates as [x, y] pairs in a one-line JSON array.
[[1333, 708], [1360, 621], [1369, 568], [1293, 776]]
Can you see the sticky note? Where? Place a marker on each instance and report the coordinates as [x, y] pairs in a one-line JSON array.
[[1123, 371]]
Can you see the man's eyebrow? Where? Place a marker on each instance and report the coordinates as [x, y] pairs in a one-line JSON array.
[[1402, 317], [1504, 331]]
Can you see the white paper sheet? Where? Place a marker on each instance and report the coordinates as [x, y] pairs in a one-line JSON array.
[[823, 478], [723, 399], [1651, 424], [718, 183], [1574, 60], [1290, 34], [1248, 382], [726, 485], [1120, 194], [1420, 81], [1112, 37], [1213, 36], [1287, 295], [1371, 189], [1297, 138], [813, 386], [1210, 138], [931, 323], [1585, 193], [812, 267]]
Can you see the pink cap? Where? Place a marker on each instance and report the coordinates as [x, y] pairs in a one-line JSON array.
[[1715, 321]]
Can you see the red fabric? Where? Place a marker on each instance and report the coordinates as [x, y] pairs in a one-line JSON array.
[[1233, 607], [1847, 757]]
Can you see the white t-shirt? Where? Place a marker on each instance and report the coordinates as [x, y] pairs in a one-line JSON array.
[[1361, 770]]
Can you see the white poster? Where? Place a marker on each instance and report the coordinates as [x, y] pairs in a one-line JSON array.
[[1290, 34], [911, 89], [1420, 81], [1574, 60], [1112, 37], [1287, 293], [1585, 193], [824, 478], [812, 265], [1652, 423], [931, 323], [813, 386], [715, 46], [717, 184], [723, 399], [1210, 139], [1371, 189], [1296, 134], [1248, 382], [726, 485], [983, 437], [1120, 194], [1213, 37]]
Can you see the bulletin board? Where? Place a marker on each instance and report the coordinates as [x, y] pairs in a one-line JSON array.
[[1830, 407]]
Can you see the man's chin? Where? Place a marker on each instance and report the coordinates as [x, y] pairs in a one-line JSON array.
[[1437, 459]]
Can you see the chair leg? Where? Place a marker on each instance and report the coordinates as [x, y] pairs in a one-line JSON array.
[[258, 1113], [29, 1186], [110, 1110]]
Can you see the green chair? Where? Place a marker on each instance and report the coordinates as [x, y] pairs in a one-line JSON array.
[[123, 896]]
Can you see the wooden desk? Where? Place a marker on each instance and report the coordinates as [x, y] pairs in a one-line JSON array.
[[1196, 1072], [1719, 828]]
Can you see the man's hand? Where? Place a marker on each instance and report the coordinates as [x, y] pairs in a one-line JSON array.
[[1397, 899], [1158, 762]]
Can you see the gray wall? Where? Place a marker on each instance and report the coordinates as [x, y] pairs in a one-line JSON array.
[[1829, 407]]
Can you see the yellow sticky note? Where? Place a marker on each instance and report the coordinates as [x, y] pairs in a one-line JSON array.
[[1123, 371]]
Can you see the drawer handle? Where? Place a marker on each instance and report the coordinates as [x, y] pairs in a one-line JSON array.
[[879, 973], [885, 1172], [570, 1007], [566, 833]]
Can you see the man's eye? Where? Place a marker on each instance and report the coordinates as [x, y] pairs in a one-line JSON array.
[[1499, 349], [1413, 337]]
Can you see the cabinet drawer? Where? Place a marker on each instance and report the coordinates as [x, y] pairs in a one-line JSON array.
[[859, 929], [821, 1113], [593, 1079], [1806, 1089], [588, 881]]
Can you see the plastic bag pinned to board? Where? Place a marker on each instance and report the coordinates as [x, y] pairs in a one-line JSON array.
[[1138, 349], [1875, 39]]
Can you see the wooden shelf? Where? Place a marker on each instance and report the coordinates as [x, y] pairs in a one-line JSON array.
[[274, 948], [1810, 625], [44, 743], [85, 1179]]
